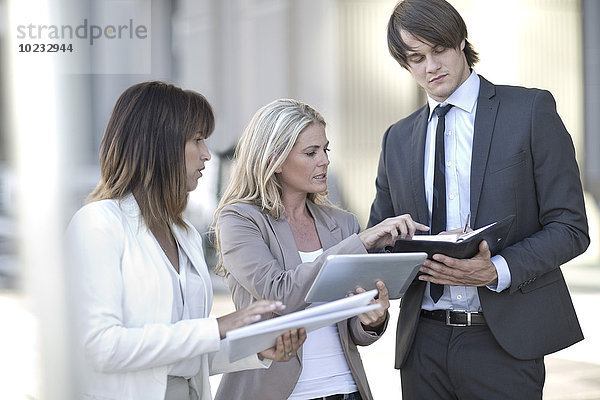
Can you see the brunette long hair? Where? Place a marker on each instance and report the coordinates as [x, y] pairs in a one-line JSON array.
[[143, 149]]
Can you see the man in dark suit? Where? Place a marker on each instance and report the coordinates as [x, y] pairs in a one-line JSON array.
[[484, 333]]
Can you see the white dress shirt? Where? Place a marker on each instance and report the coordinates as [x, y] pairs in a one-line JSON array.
[[458, 143]]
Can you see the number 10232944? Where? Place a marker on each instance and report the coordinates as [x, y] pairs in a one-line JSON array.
[[45, 48]]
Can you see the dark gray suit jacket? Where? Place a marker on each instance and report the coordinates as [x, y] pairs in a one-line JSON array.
[[262, 260], [523, 163]]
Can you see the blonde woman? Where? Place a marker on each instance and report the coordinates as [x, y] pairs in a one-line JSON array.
[[143, 290], [274, 229]]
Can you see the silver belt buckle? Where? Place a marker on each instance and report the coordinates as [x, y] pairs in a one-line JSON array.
[[468, 313]]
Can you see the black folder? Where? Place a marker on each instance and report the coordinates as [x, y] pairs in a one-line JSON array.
[[459, 247]]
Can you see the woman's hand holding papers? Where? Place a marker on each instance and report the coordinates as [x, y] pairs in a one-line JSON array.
[[248, 315], [286, 347], [387, 231], [375, 320], [287, 344]]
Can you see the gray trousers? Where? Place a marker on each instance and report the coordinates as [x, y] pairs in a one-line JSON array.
[[448, 362]]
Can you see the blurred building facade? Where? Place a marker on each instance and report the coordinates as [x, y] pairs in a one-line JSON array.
[[331, 54]]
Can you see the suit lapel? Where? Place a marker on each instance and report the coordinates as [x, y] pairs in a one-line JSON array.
[[151, 261], [327, 228], [192, 249], [191, 252], [285, 239], [417, 168], [485, 118]]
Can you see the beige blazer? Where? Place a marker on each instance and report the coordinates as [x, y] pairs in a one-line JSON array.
[[262, 262]]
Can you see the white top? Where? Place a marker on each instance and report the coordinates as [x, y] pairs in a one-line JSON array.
[[126, 340], [186, 284], [325, 370]]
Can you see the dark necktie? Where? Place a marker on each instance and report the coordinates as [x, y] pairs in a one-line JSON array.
[[438, 213]]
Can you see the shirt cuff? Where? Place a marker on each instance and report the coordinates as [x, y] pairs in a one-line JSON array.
[[266, 363], [213, 325], [504, 278]]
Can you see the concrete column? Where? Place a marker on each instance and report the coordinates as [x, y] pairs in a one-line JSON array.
[[591, 90]]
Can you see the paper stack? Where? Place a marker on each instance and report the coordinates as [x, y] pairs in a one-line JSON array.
[[259, 336]]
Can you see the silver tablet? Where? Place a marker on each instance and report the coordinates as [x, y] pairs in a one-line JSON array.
[[343, 273]]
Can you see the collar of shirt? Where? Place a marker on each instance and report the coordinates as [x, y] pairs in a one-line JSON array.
[[465, 97]]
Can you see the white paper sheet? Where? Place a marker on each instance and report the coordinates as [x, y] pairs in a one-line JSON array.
[[259, 336]]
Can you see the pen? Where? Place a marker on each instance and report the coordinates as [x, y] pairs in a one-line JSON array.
[[467, 223]]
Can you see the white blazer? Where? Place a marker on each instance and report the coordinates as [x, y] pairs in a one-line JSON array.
[[124, 303]]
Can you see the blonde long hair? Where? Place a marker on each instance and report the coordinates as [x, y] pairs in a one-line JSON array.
[[262, 148]]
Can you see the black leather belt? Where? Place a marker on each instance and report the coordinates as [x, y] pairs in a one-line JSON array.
[[349, 396], [455, 318]]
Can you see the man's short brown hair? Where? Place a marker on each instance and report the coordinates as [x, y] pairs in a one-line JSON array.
[[434, 21]]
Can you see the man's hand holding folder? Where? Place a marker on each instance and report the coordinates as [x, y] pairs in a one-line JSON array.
[[457, 244], [459, 259]]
